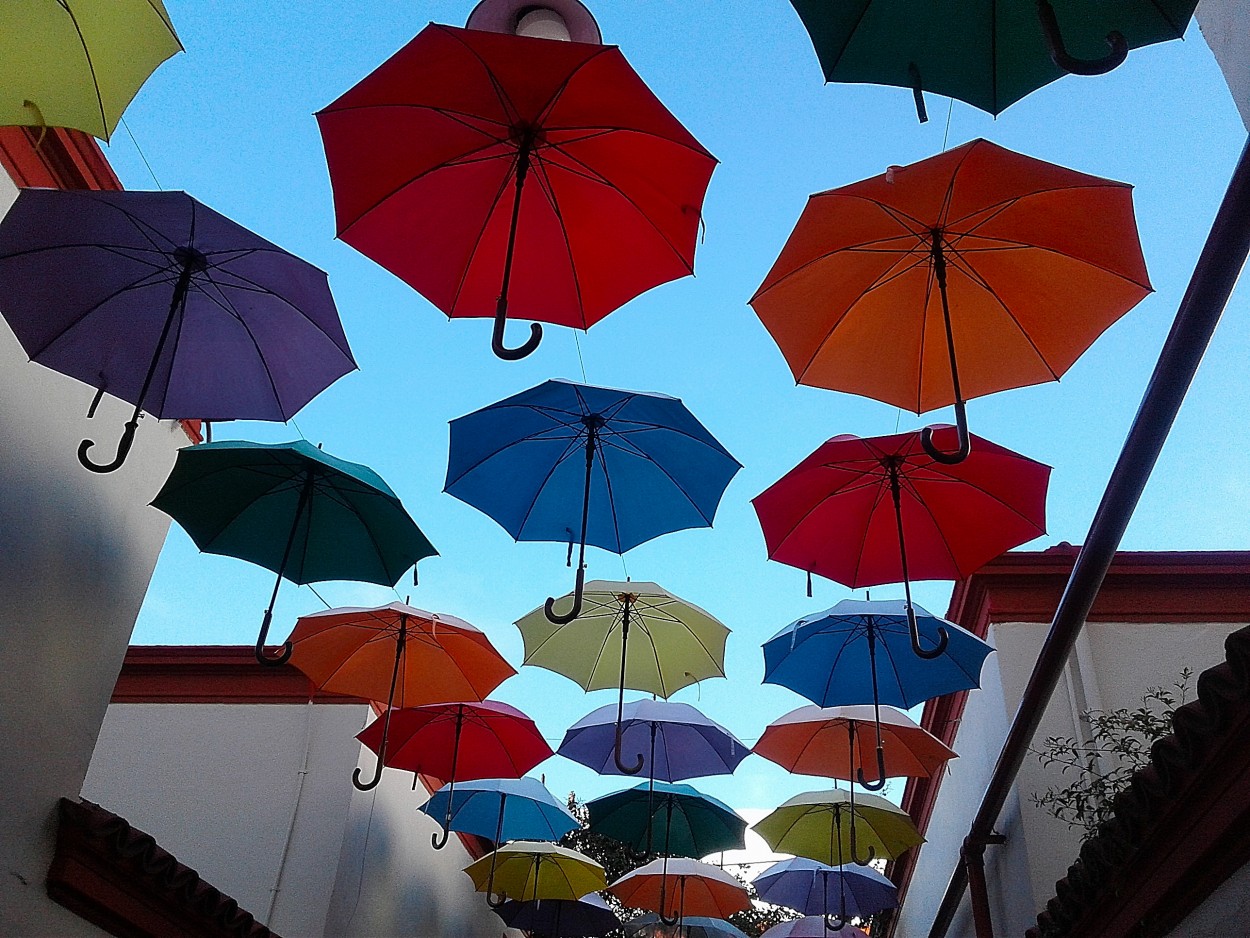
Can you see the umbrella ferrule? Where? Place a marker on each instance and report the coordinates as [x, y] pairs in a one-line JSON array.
[[192, 260]]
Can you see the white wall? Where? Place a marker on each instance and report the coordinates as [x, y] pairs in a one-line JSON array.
[[76, 553], [1225, 912], [1226, 27]]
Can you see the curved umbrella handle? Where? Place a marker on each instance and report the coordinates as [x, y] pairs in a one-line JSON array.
[[616, 755], [283, 656], [123, 450], [565, 618], [496, 903], [872, 851], [438, 841], [834, 923], [965, 441], [921, 652], [513, 354], [880, 782], [670, 922], [1059, 54], [372, 783]]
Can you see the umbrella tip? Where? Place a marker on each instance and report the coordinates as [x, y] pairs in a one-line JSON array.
[[889, 173]]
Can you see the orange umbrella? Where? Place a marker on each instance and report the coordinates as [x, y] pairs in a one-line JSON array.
[[974, 271], [397, 653]]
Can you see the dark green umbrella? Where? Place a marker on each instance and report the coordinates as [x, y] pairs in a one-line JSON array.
[[295, 510], [679, 818], [989, 53]]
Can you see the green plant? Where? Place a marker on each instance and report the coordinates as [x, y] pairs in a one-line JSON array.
[[1101, 765]]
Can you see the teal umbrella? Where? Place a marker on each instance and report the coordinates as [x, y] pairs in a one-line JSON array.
[[683, 820], [295, 510], [989, 53]]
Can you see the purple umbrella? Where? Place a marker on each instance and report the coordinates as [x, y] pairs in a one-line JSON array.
[[560, 918], [812, 926], [814, 888], [675, 741], [168, 305]]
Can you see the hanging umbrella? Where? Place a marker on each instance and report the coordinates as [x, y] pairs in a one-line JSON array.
[[830, 742], [78, 63], [816, 825], [882, 509], [586, 917], [990, 53], [459, 741], [528, 870], [304, 514], [812, 926], [684, 821], [500, 809], [1031, 263], [696, 889], [692, 926], [674, 741], [678, 643], [812, 888], [642, 464], [168, 305], [395, 653], [615, 188]]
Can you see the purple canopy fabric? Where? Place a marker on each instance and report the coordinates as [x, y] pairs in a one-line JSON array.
[[815, 888], [812, 926], [675, 741], [164, 303], [561, 918]]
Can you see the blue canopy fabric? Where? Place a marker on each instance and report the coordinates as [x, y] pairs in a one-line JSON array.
[[522, 461], [826, 656], [815, 888], [530, 811]]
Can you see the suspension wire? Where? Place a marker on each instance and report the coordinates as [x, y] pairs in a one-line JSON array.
[[142, 156]]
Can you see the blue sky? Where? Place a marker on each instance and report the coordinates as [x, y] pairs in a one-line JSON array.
[[231, 122]]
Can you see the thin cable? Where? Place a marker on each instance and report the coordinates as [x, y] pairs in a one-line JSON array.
[[318, 595], [946, 136], [578, 343], [297, 428], [290, 831], [139, 150], [897, 418]]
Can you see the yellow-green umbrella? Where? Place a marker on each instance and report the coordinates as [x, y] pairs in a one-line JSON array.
[[526, 870], [78, 63], [827, 826], [676, 643]]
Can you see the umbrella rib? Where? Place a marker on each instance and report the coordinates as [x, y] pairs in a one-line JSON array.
[[548, 190], [142, 283], [224, 303], [143, 228], [989, 494], [571, 447], [1008, 244], [914, 491], [600, 130], [517, 441], [95, 82], [607, 484], [824, 498], [481, 231], [342, 499], [850, 636], [943, 221], [505, 102], [850, 248], [993, 209], [676, 485], [898, 678]]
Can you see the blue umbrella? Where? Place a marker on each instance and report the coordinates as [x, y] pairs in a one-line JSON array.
[[502, 809], [693, 926], [642, 464], [561, 918], [688, 822], [831, 659], [807, 886]]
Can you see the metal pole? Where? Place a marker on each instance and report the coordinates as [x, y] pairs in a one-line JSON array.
[[1214, 277]]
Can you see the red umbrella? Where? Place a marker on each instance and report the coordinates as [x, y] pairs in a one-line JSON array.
[[881, 510], [430, 156], [458, 742]]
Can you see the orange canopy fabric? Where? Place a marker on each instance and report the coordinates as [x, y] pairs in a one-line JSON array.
[[817, 741], [352, 651], [1040, 261]]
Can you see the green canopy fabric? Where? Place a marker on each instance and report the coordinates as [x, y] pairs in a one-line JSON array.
[[677, 820], [989, 53], [78, 63], [825, 826]]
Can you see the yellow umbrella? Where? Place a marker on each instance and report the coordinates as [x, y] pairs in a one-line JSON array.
[[526, 870], [78, 63], [827, 826], [676, 643]]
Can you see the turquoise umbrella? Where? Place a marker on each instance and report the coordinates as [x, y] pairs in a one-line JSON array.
[[295, 510], [685, 821]]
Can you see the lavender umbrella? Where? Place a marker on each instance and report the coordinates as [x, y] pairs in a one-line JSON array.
[[168, 305], [560, 918], [675, 740], [815, 888]]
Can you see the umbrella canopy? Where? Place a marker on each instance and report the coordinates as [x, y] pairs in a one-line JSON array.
[[616, 183], [692, 926], [882, 509], [815, 888], [679, 819], [988, 53], [674, 741], [678, 887], [641, 464], [304, 514], [586, 917], [830, 657], [500, 809], [812, 926], [168, 305], [818, 825], [831, 742], [528, 870], [397, 653], [974, 271], [78, 63]]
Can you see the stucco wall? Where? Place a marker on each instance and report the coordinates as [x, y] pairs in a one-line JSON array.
[[76, 554], [1225, 25]]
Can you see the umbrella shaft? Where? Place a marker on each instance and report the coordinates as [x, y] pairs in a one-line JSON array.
[[176, 305], [939, 273], [522, 169]]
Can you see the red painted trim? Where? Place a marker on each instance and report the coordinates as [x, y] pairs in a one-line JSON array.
[[220, 674], [1025, 586]]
